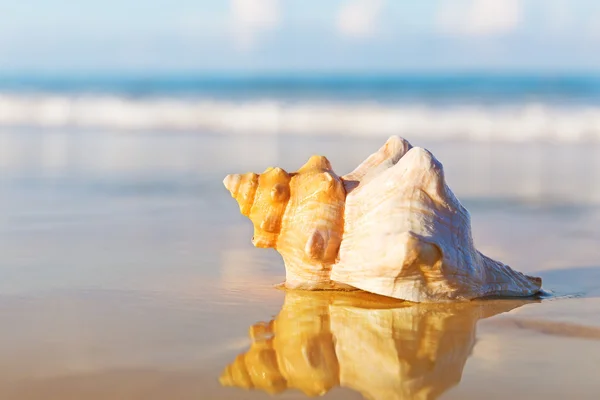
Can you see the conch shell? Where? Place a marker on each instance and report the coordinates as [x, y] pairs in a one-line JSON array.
[[383, 348], [391, 227]]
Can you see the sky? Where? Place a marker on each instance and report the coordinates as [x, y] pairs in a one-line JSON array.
[[299, 35]]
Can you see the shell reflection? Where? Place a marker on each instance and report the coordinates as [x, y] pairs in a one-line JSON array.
[[380, 347]]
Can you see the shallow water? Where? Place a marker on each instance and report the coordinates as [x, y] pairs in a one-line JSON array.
[[128, 272]]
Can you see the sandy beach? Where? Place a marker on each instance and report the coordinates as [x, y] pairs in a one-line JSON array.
[[128, 273]]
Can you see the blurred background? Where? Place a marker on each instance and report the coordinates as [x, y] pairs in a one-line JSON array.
[[486, 70]]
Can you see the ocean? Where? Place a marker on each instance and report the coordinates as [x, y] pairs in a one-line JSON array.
[[473, 107]]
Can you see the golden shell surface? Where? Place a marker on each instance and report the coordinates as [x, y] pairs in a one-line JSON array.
[[300, 214]]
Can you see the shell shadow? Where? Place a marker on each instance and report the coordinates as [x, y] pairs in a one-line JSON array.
[[380, 347]]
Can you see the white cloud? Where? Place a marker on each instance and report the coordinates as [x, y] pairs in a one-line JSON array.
[[358, 18], [252, 18], [479, 17]]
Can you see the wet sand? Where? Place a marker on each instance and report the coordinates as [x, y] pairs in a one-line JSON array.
[[128, 273]]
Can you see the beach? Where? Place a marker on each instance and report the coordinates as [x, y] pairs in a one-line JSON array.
[[129, 273]]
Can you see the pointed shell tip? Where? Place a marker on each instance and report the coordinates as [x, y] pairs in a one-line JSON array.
[[231, 182]]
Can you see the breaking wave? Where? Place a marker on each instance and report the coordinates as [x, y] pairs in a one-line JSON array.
[[492, 122]]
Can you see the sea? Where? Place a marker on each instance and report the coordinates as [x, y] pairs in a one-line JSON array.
[[128, 272], [448, 107]]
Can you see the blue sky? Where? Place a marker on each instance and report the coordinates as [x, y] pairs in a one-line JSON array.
[[300, 35]]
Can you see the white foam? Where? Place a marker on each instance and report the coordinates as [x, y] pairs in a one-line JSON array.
[[523, 122]]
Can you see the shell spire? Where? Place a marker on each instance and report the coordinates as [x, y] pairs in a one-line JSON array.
[[243, 189], [300, 214]]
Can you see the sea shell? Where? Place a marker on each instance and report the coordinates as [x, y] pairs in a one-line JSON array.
[[321, 340], [391, 227]]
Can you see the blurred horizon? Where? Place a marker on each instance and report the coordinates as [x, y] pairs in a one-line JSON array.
[[445, 107], [66, 74]]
